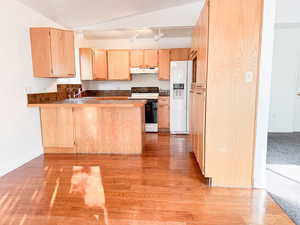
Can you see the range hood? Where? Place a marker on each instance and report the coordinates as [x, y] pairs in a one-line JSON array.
[[149, 70]]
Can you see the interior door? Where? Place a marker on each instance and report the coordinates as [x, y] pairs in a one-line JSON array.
[[297, 107]]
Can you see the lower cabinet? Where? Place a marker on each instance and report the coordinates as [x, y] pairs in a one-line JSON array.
[[198, 111], [57, 129], [163, 113], [115, 130]]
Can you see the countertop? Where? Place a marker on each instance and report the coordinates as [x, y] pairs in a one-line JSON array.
[[94, 101]]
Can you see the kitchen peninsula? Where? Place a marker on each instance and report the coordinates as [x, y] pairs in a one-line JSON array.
[[92, 125]]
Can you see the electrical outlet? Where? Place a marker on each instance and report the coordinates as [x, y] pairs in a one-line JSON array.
[[249, 77]]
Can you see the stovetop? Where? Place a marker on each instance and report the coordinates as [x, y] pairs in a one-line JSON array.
[[144, 93], [144, 90]]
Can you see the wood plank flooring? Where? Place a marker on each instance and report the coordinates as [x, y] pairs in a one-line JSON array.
[[161, 187]]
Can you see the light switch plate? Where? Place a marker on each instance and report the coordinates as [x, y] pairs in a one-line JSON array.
[[248, 77]]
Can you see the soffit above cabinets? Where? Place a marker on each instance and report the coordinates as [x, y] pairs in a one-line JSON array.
[[140, 33]]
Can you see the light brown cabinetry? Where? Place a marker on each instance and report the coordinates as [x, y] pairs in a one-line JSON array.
[[179, 54], [163, 113], [150, 57], [164, 64], [93, 129], [118, 65], [197, 126], [57, 129], [144, 58], [100, 64], [136, 58], [86, 63], [226, 49], [52, 52], [93, 64]]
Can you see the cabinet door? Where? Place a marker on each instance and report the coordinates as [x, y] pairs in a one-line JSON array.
[[150, 57], [57, 127], [164, 64], [86, 63], [100, 64], [136, 58], [118, 65], [164, 112], [200, 130], [202, 46], [41, 52], [62, 52], [179, 54]]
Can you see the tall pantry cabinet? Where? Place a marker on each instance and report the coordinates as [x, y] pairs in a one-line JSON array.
[[225, 53]]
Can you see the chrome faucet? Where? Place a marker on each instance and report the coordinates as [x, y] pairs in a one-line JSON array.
[[71, 92]]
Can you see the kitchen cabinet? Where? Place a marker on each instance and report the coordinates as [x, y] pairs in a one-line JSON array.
[[179, 54], [100, 64], [163, 113], [144, 58], [136, 58], [118, 65], [198, 113], [223, 110], [57, 129], [150, 57], [52, 52], [116, 128], [164, 64], [86, 63], [200, 47], [93, 64]]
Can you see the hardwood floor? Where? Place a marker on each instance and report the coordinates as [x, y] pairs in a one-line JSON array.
[[161, 187]]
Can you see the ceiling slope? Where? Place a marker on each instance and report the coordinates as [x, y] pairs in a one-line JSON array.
[[80, 13]]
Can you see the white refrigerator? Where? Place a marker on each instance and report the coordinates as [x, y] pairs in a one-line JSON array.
[[180, 85]]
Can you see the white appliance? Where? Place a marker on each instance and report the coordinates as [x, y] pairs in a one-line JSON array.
[[138, 70], [151, 95], [180, 84]]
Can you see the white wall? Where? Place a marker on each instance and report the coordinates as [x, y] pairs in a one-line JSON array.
[[286, 62], [137, 80], [288, 11], [263, 101], [20, 138]]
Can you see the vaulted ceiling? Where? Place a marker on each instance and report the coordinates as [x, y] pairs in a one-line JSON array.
[[81, 13]]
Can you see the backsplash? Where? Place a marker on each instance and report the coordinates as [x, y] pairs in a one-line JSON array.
[[138, 80], [51, 96]]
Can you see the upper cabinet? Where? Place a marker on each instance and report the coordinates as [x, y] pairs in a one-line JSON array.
[[118, 65], [136, 58], [86, 63], [93, 64], [164, 64], [52, 52], [144, 58], [100, 64], [179, 54], [150, 58]]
